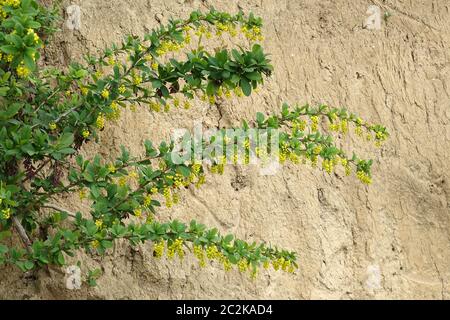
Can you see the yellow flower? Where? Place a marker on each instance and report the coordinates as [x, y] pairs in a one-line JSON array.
[[82, 194], [98, 74], [200, 255], [35, 36], [187, 39], [137, 80], [9, 58], [147, 200], [158, 249], [315, 122], [85, 133], [52, 126], [100, 122], [95, 244], [314, 160], [238, 92], [122, 89], [364, 177], [115, 111], [348, 170], [176, 102], [344, 126], [187, 105], [154, 190], [111, 61], [133, 175], [381, 136], [23, 71], [11, 3], [278, 263], [6, 213], [242, 265], [84, 91], [105, 94], [226, 265], [138, 212], [111, 168], [155, 106], [176, 247], [327, 165], [148, 57], [99, 223], [317, 149], [123, 181], [212, 252], [155, 66], [233, 31], [168, 197]]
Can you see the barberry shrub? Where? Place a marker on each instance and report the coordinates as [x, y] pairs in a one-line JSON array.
[[47, 114]]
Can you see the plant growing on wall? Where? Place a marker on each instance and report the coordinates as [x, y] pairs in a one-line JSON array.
[[47, 114]]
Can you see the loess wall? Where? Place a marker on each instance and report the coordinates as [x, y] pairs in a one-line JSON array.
[[389, 240]]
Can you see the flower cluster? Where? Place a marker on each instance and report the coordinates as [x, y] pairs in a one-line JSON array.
[[7, 3]]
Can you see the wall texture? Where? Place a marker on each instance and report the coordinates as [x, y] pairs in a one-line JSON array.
[[390, 240]]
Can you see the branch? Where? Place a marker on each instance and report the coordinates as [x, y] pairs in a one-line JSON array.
[[22, 233], [55, 207]]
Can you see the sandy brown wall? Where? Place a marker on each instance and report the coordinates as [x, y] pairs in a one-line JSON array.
[[389, 240]]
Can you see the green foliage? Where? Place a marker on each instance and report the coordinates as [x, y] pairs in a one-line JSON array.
[[47, 114]]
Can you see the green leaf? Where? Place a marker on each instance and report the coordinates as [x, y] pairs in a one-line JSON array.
[[157, 84], [29, 58], [60, 259], [246, 87], [254, 76], [165, 91], [212, 88], [228, 238], [67, 151], [237, 56], [65, 140], [185, 171], [3, 249], [28, 149], [9, 49], [4, 91], [95, 192], [12, 110], [260, 118]]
